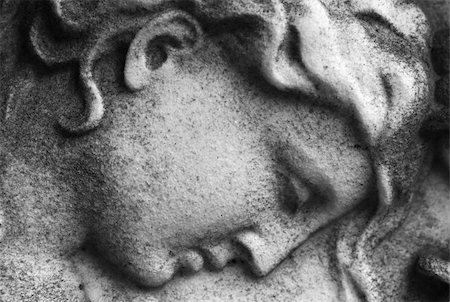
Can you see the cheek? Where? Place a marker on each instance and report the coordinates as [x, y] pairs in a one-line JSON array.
[[181, 168], [352, 177]]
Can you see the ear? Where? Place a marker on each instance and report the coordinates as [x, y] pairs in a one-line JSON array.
[[169, 34]]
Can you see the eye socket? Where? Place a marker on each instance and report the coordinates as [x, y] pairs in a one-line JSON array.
[[376, 25]]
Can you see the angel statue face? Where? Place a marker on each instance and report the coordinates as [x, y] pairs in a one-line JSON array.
[[191, 133]]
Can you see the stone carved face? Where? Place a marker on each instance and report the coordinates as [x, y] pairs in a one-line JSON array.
[[235, 142]]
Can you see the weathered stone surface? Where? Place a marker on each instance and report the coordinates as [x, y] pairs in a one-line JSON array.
[[440, 51], [206, 150], [441, 92]]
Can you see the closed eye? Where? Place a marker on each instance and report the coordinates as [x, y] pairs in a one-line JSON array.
[[374, 21]]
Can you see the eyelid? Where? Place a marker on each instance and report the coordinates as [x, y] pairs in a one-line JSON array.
[[307, 173]]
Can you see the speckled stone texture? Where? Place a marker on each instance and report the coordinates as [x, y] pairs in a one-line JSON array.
[[203, 150]]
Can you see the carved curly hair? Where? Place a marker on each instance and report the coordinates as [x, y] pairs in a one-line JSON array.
[[66, 31]]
